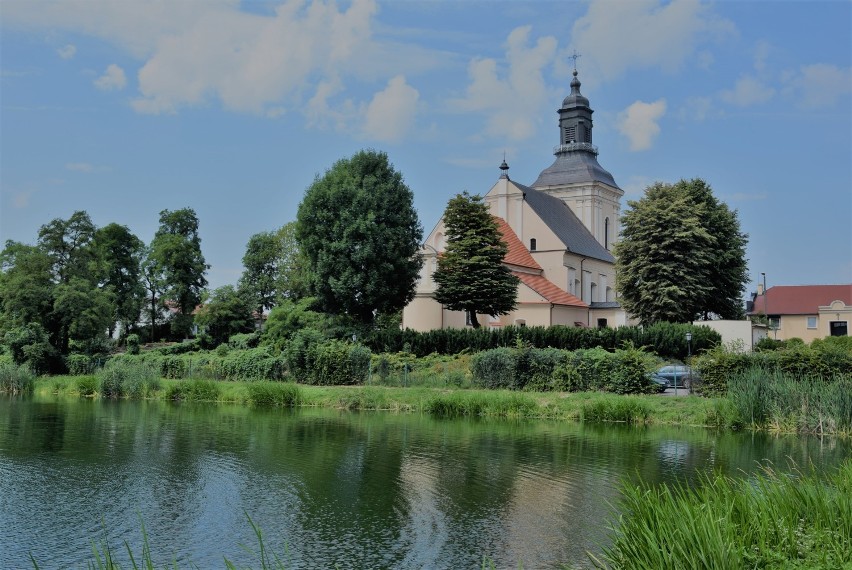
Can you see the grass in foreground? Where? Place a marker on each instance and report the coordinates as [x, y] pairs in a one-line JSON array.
[[770, 521]]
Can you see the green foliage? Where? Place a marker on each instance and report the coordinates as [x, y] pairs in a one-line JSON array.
[[119, 258], [359, 231], [225, 313], [244, 341], [471, 276], [127, 379], [289, 318], [15, 379], [176, 261], [194, 391], [336, 362], [472, 404], [767, 343], [275, 394], [274, 268], [715, 366], [668, 340], [630, 372], [496, 368], [87, 385], [79, 364], [681, 255], [768, 521], [132, 343], [29, 345]]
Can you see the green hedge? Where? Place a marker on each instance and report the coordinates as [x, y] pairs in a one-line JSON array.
[[666, 339], [621, 372]]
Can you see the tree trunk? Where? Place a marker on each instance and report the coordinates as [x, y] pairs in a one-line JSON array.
[[473, 320]]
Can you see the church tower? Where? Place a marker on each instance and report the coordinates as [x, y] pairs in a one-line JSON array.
[[576, 178]]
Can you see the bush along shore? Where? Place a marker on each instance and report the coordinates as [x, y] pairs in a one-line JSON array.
[[799, 389]]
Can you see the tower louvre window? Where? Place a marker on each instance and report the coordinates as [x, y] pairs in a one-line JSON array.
[[570, 134]]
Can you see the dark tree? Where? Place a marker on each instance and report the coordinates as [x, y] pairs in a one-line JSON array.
[[360, 235], [681, 255], [176, 256], [69, 245], [471, 276], [119, 258]]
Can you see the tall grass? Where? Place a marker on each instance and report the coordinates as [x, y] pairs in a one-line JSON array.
[[193, 391], [781, 402], [274, 394], [463, 403], [127, 379], [771, 521], [616, 409], [16, 379]]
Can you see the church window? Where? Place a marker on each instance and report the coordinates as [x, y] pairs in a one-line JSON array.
[[606, 233], [532, 244]]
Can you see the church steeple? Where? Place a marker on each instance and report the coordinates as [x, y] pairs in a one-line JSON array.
[[575, 122]]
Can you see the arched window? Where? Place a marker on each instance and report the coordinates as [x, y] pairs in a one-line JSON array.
[[532, 244], [606, 233]]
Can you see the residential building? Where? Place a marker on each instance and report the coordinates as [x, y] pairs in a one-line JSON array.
[[807, 312], [560, 232]]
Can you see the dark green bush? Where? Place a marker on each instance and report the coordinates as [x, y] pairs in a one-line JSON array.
[[30, 345], [334, 363], [132, 344], [87, 385], [244, 341], [496, 368], [630, 372], [179, 348], [715, 367], [79, 364]]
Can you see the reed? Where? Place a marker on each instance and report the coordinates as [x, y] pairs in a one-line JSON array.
[[193, 391], [16, 379], [466, 403], [773, 520]]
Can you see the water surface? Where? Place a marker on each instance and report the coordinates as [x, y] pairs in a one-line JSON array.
[[356, 490]]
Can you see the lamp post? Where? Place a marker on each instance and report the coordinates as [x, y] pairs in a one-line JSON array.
[[688, 344], [766, 306]]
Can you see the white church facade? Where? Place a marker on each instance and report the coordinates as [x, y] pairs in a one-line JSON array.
[[560, 231]]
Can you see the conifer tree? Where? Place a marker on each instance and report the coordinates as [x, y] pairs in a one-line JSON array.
[[471, 276]]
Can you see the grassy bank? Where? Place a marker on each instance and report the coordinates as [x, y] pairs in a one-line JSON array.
[[771, 521], [440, 402]]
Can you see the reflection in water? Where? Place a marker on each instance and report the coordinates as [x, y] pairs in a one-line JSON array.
[[332, 488]]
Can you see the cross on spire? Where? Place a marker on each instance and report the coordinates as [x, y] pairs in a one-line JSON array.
[[574, 57]]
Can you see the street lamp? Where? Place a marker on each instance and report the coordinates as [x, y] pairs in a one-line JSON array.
[[688, 344]]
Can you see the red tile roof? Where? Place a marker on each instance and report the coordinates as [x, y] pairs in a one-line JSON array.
[[518, 254], [800, 299], [548, 290]]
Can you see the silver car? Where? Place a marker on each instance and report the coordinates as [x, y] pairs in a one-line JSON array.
[[678, 375]]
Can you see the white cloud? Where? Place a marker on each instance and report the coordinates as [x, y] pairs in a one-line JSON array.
[[390, 115], [22, 199], [67, 52], [819, 85], [615, 36], [113, 79], [748, 91], [512, 100], [639, 123], [636, 185]]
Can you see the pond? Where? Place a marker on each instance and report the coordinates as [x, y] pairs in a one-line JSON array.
[[356, 490]]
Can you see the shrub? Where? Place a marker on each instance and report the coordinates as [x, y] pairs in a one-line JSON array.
[[79, 364], [296, 352], [110, 381], [715, 367], [244, 341], [132, 343], [336, 362], [127, 379], [629, 374], [16, 379], [30, 345], [496, 368]]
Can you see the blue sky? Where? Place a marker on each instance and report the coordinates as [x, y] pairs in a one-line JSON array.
[[124, 109]]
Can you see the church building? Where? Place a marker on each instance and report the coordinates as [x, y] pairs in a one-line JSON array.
[[560, 231]]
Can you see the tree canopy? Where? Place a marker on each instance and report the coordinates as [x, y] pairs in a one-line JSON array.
[[471, 276], [274, 268], [176, 255], [681, 255], [360, 236]]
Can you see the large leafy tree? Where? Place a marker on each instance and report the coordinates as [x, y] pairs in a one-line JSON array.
[[360, 235], [681, 255], [274, 268], [69, 245], [119, 257], [471, 276], [175, 255]]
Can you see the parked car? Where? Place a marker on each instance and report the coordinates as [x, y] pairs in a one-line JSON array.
[[661, 383], [678, 375]]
